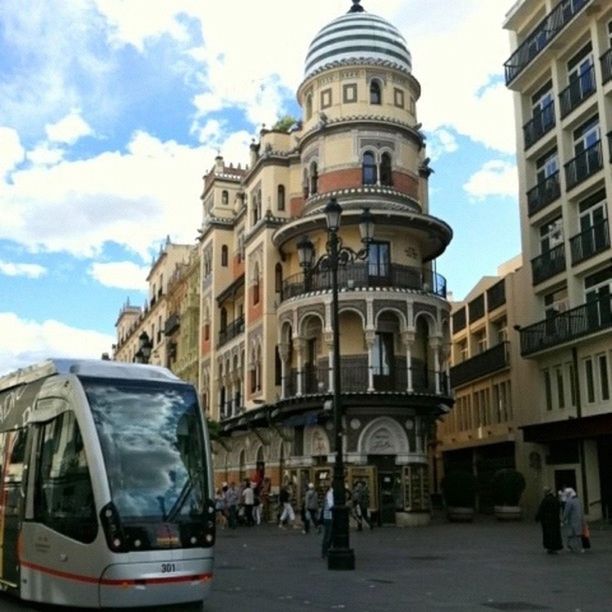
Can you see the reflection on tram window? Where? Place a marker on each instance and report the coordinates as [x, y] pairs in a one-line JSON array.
[[152, 442], [64, 497]]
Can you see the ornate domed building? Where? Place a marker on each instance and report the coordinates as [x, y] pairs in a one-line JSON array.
[[269, 362]]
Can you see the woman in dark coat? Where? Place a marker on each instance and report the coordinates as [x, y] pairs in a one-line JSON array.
[[549, 517]]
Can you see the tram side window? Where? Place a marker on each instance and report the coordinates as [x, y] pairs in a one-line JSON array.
[[64, 496], [14, 469]]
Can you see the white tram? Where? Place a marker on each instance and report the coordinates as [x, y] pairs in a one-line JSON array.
[[105, 486]]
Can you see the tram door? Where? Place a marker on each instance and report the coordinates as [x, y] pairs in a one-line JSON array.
[[12, 445]]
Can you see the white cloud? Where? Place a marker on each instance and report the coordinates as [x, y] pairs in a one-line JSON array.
[[495, 178], [68, 129], [24, 342], [11, 151], [45, 155], [121, 275], [440, 142], [133, 199], [22, 269]]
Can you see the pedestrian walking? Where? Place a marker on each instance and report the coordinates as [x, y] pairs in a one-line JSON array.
[[573, 519], [327, 516], [311, 508], [248, 501], [287, 514], [220, 510], [361, 502], [232, 498], [549, 517]]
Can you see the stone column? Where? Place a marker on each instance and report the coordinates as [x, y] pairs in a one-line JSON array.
[[408, 340], [370, 337], [298, 346], [283, 352], [434, 345]]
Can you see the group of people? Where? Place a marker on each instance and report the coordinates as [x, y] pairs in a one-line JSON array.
[[563, 511], [247, 504]]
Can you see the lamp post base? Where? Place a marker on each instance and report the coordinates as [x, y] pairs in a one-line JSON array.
[[340, 559]]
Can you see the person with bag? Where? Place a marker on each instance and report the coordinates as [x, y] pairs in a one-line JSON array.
[[573, 519]]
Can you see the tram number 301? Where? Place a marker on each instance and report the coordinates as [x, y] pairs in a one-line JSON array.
[[168, 568]]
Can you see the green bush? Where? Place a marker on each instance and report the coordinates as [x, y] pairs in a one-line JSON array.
[[459, 489], [508, 486]]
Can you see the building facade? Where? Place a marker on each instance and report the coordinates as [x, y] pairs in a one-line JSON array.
[[265, 332], [560, 71]]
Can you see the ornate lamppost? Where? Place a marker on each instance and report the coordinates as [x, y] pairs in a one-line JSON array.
[[144, 348], [340, 555]]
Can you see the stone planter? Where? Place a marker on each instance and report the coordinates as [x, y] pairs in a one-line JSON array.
[[508, 513], [460, 514]]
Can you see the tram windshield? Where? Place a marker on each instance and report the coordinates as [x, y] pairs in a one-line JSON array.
[[153, 446]]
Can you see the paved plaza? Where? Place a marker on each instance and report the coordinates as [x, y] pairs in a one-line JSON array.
[[486, 565]]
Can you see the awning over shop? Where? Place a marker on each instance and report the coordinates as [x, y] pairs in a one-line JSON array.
[[570, 429]]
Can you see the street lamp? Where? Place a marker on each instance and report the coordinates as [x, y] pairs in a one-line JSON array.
[[144, 348], [340, 555]]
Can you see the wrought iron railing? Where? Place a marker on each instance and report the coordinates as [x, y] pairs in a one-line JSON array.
[[543, 193], [353, 276], [235, 328], [542, 122], [562, 327], [591, 241], [489, 361], [577, 91], [541, 36], [172, 324], [548, 264], [583, 165]]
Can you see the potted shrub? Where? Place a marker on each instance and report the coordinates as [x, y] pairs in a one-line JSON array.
[[459, 491], [508, 486]]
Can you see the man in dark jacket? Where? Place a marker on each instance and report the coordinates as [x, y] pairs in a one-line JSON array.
[[549, 516]]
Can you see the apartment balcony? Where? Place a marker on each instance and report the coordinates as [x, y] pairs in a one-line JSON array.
[[541, 124], [606, 66], [496, 295], [487, 362], [173, 322], [577, 91], [543, 193], [548, 264], [590, 242], [584, 165], [354, 378], [235, 328], [541, 36], [571, 325], [363, 276]]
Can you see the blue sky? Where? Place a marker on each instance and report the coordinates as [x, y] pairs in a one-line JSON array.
[[112, 110]]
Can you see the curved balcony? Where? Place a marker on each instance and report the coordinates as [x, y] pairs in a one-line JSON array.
[[355, 378], [365, 276]]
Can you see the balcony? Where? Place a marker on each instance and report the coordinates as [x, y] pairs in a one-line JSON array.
[[548, 264], [496, 295], [542, 122], [476, 308], [606, 66], [485, 363], [173, 322], [360, 276], [592, 241], [543, 193], [235, 328], [354, 378], [541, 36], [592, 317], [584, 165], [577, 91]]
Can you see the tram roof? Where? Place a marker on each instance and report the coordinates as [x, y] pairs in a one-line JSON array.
[[100, 368]]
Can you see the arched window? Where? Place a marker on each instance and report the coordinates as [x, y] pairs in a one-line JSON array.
[[369, 169], [385, 170], [256, 286], [224, 256], [308, 106], [280, 197], [224, 197], [314, 178], [375, 93]]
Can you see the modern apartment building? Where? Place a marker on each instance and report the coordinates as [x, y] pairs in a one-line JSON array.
[[560, 71], [266, 342]]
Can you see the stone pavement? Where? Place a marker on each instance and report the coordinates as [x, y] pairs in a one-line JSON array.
[[486, 565]]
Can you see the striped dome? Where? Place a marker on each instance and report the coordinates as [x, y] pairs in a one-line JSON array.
[[357, 37]]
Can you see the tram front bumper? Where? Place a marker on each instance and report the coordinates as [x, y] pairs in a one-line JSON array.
[[155, 583]]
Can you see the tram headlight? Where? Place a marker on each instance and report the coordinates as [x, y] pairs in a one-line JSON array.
[[112, 527]]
